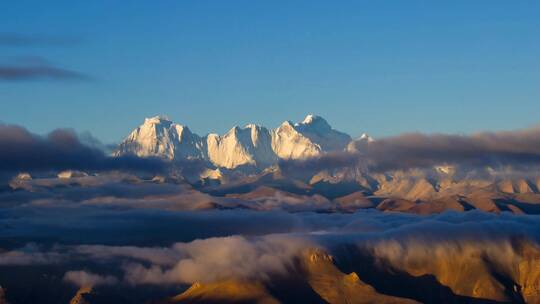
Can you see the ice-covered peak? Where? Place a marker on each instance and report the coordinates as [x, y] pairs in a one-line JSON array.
[[311, 118], [366, 137], [157, 120], [314, 123], [248, 145], [360, 144], [159, 136]]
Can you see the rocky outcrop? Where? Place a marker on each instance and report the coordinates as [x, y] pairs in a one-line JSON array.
[[230, 291], [81, 296]]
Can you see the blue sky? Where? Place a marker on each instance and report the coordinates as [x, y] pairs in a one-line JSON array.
[[382, 67]]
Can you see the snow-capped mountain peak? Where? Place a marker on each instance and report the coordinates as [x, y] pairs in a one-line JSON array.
[[312, 119], [319, 132], [157, 119], [250, 145], [241, 146], [159, 136], [366, 136], [360, 144]]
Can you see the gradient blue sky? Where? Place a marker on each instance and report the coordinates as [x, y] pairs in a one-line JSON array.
[[382, 67]]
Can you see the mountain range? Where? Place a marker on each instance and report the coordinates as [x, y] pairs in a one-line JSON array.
[[223, 160], [251, 145], [250, 217]]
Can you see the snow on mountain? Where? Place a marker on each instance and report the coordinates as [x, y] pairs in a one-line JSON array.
[[320, 132], [308, 138], [288, 143], [359, 144], [158, 136], [251, 145], [241, 146]]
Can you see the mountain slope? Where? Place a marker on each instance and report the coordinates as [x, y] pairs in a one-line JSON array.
[[241, 146], [318, 280], [336, 287], [226, 292], [308, 138]]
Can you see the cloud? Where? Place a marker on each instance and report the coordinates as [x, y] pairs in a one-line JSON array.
[[61, 149], [410, 253], [31, 254], [519, 148], [327, 161], [83, 278], [36, 68], [64, 221], [36, 72], [402, 240], [217, 259], [461, 251]]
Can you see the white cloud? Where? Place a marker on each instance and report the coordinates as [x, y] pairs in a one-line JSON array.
[[83, 278]]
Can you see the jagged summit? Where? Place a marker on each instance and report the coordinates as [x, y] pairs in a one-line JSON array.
[[360, 144], [312, 120], [157, 119], [241, 146], [366, 136], [252, 126], [251, 145], [159, 136]]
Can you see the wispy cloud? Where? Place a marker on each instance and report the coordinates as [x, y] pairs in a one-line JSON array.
[[36, 68], [36, 72], [83, 278]]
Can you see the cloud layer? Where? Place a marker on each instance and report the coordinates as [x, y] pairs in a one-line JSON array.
[[216, 259], [519, 149], [399, 239], [516, 148], [61, 149]]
